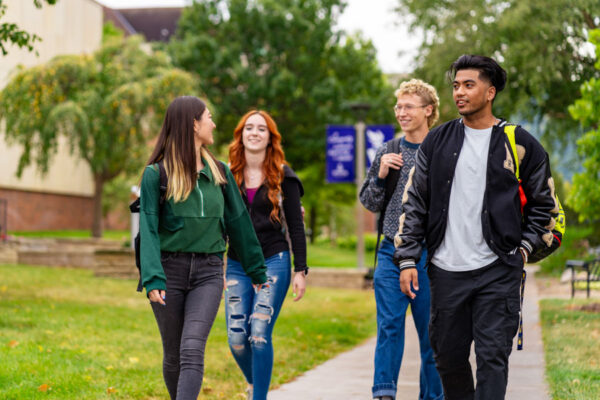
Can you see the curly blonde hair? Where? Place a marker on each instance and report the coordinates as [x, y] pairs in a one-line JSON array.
[[426, 92]]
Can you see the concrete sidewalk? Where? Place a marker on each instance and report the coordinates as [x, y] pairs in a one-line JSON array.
[[349, 376]]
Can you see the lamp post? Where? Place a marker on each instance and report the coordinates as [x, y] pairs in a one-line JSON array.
[[360, 111]]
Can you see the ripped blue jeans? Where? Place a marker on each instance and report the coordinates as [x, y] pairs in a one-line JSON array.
[[251, 317]]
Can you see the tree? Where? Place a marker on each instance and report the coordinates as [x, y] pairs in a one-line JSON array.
[[107, 104], [285, 57], [10, 32], [585, 193], [541, 44]]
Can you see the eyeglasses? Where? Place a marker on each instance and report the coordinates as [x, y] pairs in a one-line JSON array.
[[407, 107]]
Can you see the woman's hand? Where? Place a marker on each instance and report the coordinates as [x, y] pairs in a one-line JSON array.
[[299, 285], [157, 296], [259, 286]]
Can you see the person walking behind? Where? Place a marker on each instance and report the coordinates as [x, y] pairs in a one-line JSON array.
[[182, 240], [464, 202], [271, 192], [416, 110]]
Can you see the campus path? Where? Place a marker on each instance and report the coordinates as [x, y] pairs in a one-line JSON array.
[[349, 375]]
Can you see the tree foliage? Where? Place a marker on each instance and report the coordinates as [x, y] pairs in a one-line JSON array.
[[541, 44], [11, 33], [107, 104], [282, 56], [285, 57], [585, 193]]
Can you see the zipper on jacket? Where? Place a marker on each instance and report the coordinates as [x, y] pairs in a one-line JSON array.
[[201, 200]]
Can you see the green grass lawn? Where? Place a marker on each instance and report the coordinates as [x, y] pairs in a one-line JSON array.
[[65, 334], [572, 349], [571, 248], [326, 255]]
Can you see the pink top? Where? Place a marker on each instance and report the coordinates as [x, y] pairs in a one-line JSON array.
[[250, 194]]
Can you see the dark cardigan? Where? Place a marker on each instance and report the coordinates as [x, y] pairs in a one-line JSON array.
[[269, 232]]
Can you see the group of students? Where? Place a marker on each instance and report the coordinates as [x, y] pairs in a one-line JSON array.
[[473, 201], [254, 205], [454, 189]]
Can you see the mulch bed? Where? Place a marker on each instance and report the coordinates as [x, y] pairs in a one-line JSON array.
[[591, 307]]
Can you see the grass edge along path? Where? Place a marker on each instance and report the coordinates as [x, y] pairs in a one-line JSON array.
[[319, 254], [65, 334], [572, 348]]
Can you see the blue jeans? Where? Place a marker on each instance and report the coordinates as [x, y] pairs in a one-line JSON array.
[[251, 317], [391, 316]]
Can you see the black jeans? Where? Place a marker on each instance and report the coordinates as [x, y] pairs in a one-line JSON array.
[[481, 306], [194, 290]]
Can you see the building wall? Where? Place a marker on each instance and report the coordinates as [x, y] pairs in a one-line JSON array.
[[60, 199], [66, 175], [33, 211], [68, 27]]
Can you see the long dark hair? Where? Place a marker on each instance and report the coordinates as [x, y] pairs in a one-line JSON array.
[[175, 145]]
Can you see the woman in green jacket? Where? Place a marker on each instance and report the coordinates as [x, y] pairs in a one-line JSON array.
[[182, 240]]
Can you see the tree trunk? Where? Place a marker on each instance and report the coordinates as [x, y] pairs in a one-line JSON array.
[[97, 207]]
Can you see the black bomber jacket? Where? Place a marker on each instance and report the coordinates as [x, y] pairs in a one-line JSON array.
[[505, 228]]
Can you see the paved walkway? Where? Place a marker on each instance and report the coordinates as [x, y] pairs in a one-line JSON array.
[[349, 375]]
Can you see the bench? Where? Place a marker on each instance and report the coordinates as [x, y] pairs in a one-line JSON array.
[[591, 269]]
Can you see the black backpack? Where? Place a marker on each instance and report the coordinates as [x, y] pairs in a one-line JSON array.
[[391, 180], [135, 209]]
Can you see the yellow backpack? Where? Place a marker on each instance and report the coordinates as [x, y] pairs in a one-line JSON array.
[[553, 238]]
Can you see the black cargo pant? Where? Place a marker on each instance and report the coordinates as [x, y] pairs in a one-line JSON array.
[[194, 290], [482, 306]]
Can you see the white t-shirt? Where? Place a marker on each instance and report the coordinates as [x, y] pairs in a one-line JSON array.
[[463, 247]]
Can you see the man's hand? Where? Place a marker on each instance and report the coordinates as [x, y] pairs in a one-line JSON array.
[[408, 276], [389, 160]]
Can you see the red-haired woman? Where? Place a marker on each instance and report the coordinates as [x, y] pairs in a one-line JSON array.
[[271, 191]]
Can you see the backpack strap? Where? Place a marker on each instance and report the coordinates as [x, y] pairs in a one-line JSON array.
[[391, 181], [509, 130], [163, 182]]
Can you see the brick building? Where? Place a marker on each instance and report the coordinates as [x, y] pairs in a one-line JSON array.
[[62, 198]]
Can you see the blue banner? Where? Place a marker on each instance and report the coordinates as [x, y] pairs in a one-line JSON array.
[[375, 137], [339, 161]]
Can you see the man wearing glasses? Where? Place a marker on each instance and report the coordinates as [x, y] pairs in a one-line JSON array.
[[416, 111]]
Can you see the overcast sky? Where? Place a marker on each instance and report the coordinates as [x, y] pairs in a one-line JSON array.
[[375, 18]]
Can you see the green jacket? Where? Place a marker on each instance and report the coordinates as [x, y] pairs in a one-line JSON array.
[[196, 225]]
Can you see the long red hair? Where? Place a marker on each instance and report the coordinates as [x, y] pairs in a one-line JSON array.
[[272, 167]]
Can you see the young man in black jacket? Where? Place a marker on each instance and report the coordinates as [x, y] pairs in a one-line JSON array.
[[463, 200]]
